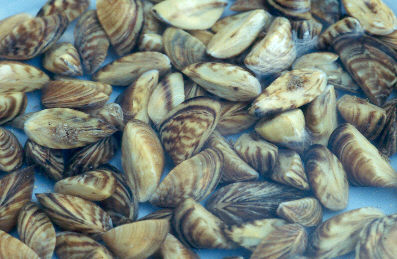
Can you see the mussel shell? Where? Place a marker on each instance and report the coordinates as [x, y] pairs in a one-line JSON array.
[[11, 105], [11, 152]]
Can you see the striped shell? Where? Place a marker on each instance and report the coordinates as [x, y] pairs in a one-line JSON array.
[[11, 247], [122, 21], [150, 38], [234, 117], [16, 190], [36, 230], [247, 5], [11, 152], [91, 41], [388, 138], [71, 8], [11, 105], [307, 211], [328, 11], [194, 178], [348, 25], [32, 37], [112, 113], [94, 185], [173, 248], [75, 214], [74, 93], [63, 59], [296, 9], [194, 119]]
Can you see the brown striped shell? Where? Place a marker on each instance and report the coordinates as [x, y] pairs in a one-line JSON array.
[[74, 93], [112, 113], [348, 25], [237, 203], [258, 153], [36, 230], [327, 177], [11, 105], [196, 227], [11, 152], [92, 156], [91, 41], [11, 247], [328, 11], [204, 36], [122, 21], [194, 178], [32, 37], [182, 48], [75, 214], [142, 158], [16, 190], [71, 245], [94, 185], [306, 212], [9, 23], [364, 164], [388, 138], [234, 117], [195, 119], [173, 248], [126, 70], [63, 59], [234, 169], [71, 8], [361, 55], [296, 9], [144, 238], [20, 77], [247, 5], [150, 38], [51, 161]]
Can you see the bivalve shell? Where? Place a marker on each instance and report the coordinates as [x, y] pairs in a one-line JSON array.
[[388, 138], [11, 152], [150, 38], [328, 11], [63, 59], [11, 105], [348, 25], [111, 113], [247, 5], [71, 8], [204, 36], [306, 212], [173, 248], [297, 9], [11, 247], [234, 118]]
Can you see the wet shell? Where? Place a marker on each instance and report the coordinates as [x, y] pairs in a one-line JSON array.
[[92, 156], [203, 35], [95, 185], [135, 98], [321, 117], [284, 242], [142, 158], [198, 228], [366, 117], [127, 69], [36, 230], [195, 120], [362, 161], [377, 240], [32, 37], [75, 214], [237, 203], [122, 206], [306, 212], [11, 105], [122, 21], [11, 247], [260, 154], [9, 23], [63, 128], [348, 25], [287, 130], [150, 38], [168, 94], [374, 15], [291, 90], [63, 59], [234, 168], [275, 52], [327, 177], [71, 8], [328, 63], [111, 113], [91, 41], [233, 39], [328, 11], [388, 138], [190, 14], [306, 30], [50, 161], [20, 77], [289, 170], [172, 248], [250, 234], [137, 240], [72, 245], [11, 152], [247, 5], [234, 118], [362, 55], [227, 81], [182, 48], [339, 235], [297, 9], [16, 190], [194, 178], [73, 93]]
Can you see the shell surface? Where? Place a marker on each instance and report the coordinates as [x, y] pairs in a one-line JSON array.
[[297, 9], [11, 152], [306, 212], [11, 105], [11, 247], [71, 8], [63, 59]]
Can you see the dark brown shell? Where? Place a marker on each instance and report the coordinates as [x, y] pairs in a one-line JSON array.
[[71, 8], [11, 152], [388, 137]]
